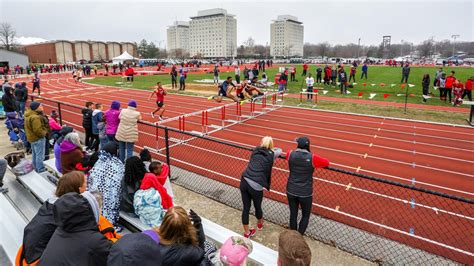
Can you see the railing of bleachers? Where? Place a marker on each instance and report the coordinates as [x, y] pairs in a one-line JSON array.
[[380, 220]]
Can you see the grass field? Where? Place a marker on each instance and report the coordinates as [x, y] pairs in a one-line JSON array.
[[376, 75]]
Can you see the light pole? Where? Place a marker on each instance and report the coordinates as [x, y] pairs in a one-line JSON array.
[[358, 49], [401, 49], [454, 36]]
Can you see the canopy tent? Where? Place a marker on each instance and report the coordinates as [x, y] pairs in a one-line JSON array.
[[123, 57]]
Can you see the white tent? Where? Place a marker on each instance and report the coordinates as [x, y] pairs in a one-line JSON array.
[[122, 58]]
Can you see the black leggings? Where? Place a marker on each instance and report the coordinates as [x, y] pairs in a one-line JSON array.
[[248, 195], [306, 204], [88, 140]]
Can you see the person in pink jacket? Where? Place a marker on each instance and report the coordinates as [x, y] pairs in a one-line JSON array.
[[112, 120], [54, 125]]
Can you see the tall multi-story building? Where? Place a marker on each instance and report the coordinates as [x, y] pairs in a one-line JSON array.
[[213, 33], [178, 39], [286, 37]]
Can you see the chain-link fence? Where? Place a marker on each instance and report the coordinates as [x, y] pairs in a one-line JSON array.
[[379, 220]]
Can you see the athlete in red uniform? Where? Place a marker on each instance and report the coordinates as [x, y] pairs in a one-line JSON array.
[[160, 100]]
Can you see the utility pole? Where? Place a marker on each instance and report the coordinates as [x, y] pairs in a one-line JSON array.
[[401, 49], [358, 49], [454, 36]]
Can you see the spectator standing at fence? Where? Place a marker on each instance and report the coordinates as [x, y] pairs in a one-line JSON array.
[[255, 178], [97, 117], [174, 78], [39, 230], [112, 120], [134, 173], [293, 249], [319, 72], [106, 176], [71, 152], [299, 189], [36, 130], [468, 88], [181, 238], [426, 86], [127, 132], [21, 95], [405, 73], [237, 74], [87, 123], [77, 241], [9, 100], [309, 87], [449, 86], [365, 69]]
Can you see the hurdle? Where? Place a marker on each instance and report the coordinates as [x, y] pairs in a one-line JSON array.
[[314, 99]]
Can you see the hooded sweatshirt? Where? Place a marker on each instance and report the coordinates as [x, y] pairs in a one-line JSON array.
[[77, 240], [113, 121], [70, 156], [97, 116], [9, 101], [35, 126], [136, 249]]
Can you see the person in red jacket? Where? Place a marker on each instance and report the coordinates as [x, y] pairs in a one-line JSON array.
[[157, 179], [129, 72], [458, 89], [449, 85], [305, 70], [468, 88]]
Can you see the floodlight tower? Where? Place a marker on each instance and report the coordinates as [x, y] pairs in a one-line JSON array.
[[454, 36], [386, 45]]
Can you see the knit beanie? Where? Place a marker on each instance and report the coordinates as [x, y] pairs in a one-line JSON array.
[[115, 105], [132, 103], [235, 250], [94, 204], [34, 105]]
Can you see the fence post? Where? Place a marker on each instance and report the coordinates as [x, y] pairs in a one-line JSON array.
[[167, 144], [60, 114]]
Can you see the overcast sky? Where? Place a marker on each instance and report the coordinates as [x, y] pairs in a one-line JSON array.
[[324, 21]]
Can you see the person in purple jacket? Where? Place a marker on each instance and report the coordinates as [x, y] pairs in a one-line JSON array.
[[57, 150], [112, 120]]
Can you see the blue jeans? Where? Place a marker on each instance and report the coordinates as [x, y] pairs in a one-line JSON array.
[[37, 153], [21, 107], [102, 142], [129, 151]]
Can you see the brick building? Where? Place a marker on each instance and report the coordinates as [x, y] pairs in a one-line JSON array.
[[62, 51]]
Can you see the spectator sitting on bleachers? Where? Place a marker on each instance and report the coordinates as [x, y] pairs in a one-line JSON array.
[[293, 249], [57, 150], [54, 125], [77, 240], [40, 229], [3, 169], [145, 156], [161, 171], [136, 249], [106, 176], [134, 172], [181, 238], [234, 252], [71, 152]]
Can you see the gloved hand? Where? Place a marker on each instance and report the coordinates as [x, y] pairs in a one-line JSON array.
[[198, 225]]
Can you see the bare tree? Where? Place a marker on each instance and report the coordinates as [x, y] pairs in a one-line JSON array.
[[426, 48], [7, 35]]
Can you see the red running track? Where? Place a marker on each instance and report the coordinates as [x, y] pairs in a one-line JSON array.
[[393, 149]]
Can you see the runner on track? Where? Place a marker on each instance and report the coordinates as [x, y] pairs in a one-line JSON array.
[[36, 83], [160, 100], [224, 91]]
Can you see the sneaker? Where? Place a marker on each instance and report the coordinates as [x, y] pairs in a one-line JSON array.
[[260, 226], [251, 233], [160, 117], [152, 115], [242, 102], [210, 98]]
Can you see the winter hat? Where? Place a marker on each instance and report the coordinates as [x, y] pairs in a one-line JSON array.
[[115, 105], [65, 130], [54, 114], [94, 204], [34, 105], [303, 143], [111, 147], [235, 250], [132, 103]]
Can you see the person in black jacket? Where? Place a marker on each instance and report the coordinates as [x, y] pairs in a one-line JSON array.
[[39, 230], [134, 172], [181, 238], [9, 101], [77, 240], [87, 123], [136, 249], [255, 178], [405, 73], [299, 188], [426, 86], [21, 95]]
